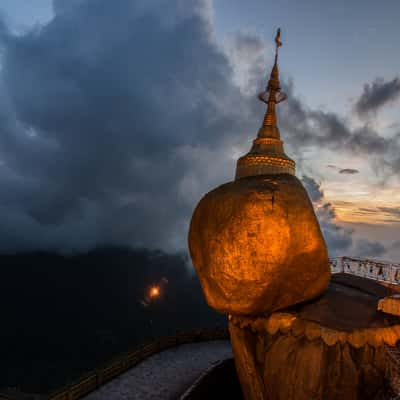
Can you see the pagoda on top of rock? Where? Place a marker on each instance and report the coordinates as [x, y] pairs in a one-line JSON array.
[[267, 155], [255, 242], [260, 256]]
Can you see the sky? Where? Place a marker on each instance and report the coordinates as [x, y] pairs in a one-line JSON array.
[[116, 117]]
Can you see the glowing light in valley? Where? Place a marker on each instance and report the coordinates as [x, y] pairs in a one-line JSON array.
[[154, 292]]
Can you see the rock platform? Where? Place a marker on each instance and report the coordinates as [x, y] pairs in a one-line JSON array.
[[331, 348]]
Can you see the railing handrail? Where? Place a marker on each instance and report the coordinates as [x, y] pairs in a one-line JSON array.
[[372, 260], [93, 380], [378, 270]]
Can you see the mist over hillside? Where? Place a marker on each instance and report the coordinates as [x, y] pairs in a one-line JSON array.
[[62, 315]]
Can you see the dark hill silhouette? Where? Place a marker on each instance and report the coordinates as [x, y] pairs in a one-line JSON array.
[[62, 315]]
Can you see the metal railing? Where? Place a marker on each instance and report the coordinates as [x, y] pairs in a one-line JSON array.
[[372, 269], [381, 271], [95, 379]]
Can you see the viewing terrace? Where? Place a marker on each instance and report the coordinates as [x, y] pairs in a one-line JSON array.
[[365, 268]]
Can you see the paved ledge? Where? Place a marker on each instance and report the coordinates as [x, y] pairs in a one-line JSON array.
[[124, 362], [165, 375]]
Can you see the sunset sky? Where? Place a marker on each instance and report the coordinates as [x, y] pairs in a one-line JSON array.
[[116, 116]]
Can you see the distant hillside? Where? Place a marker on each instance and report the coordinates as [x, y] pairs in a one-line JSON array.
[[64, 314]]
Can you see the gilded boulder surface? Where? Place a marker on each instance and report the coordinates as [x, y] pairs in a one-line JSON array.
[[257, 246]]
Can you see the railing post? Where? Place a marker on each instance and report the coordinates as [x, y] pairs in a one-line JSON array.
[[366, 268]]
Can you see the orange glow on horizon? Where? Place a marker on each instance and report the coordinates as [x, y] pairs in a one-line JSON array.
[[361, 203]]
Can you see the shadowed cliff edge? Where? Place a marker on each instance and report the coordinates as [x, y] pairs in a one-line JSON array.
[[64, 315]]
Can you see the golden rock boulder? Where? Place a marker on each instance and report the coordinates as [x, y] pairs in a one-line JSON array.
[[257, 246]]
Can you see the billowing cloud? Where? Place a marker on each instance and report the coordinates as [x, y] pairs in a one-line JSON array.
[[247, 54], [310, 127], [349, 171], [61, 6], [318, 128], [117, 116], [313, 188], [369, 249], [112, 117], [340, 240], [376, 95]]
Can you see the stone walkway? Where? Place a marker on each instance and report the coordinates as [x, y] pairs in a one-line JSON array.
[[166, 375]]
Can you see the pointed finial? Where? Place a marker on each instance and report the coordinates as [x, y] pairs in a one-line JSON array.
[[272, 96], [278, 43]]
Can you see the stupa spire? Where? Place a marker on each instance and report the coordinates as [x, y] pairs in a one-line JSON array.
[[267, 156], [272, 96]]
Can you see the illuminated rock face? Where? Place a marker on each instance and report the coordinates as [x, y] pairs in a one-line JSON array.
[[255, 242], [257, 246]]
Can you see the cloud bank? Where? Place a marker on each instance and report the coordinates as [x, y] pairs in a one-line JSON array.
[[376, 95], [117, 117], [114, 119], [315, 127], [340, 241]]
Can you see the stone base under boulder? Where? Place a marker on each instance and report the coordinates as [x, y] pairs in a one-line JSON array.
[[332, 348]]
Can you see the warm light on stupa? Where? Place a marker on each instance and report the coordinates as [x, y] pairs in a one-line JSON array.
[[255, 242], [259, 253]]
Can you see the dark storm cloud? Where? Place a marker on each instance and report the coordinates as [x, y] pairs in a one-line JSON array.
[[376, 95], [366, 248], [349, 171], [313, 188], [62, 6], [305, 127], [247, 45], [3, 32], [308, 127], [116, 117], [340, 241], [111, 116]]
